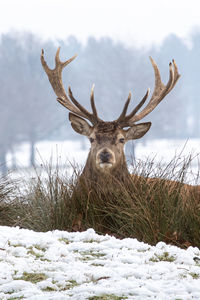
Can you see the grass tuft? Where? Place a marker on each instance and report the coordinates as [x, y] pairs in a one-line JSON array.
[[33, 277], [8, 203], [163, 257], [107, 297]]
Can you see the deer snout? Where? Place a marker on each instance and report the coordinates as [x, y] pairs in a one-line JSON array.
[[105, 156]]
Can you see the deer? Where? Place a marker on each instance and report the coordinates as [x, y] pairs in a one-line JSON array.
[[106, 155], [106, 163]]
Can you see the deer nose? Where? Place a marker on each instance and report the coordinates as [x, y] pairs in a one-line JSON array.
[[105, 156]]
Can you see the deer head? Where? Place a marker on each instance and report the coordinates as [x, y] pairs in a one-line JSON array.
[[108, 138]]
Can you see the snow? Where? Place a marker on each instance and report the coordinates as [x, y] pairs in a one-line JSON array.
[[56, 152], [63, 265]]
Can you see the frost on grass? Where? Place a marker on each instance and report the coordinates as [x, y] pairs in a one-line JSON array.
[[62, 265]]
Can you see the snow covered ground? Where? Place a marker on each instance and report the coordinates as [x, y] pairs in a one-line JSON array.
[[62, 265]]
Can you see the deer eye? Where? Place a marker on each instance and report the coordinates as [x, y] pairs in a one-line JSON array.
[[122, 140], [91, 140]]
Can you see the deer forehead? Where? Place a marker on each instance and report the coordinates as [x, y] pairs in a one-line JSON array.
[[112, 137]]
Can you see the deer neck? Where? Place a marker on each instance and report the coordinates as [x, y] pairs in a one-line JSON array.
[[92, 173]]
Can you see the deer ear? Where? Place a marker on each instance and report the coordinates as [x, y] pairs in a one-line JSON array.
[[80, 125], [137, 130]]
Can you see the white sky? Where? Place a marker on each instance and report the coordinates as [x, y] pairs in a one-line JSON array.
[[134, 22]]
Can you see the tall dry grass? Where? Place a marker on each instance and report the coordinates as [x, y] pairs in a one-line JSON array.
[[156, 205], [8, 203]]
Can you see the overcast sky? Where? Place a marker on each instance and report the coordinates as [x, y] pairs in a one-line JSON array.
[[134, 22]]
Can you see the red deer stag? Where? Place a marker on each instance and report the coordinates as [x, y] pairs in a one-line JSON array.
[[107, 139]]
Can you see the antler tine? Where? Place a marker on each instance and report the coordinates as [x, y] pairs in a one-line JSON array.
[[176, 74], [59, 63], [44, 64], [124, 120], [94, 110], [123, 114], [92, 117], [160, 91], [84, 110], [55, 78]]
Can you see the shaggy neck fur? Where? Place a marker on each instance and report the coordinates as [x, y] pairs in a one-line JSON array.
[[93, 174]]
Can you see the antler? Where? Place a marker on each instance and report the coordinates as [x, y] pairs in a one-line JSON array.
[[160, 91], [55, 78]]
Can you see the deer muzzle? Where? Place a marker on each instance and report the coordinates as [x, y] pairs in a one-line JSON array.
[[105, 158]]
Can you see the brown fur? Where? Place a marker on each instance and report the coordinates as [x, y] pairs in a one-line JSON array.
[[106, 136], [185, 190]]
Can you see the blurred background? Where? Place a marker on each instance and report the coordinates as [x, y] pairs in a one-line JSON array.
[[113, 40]]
